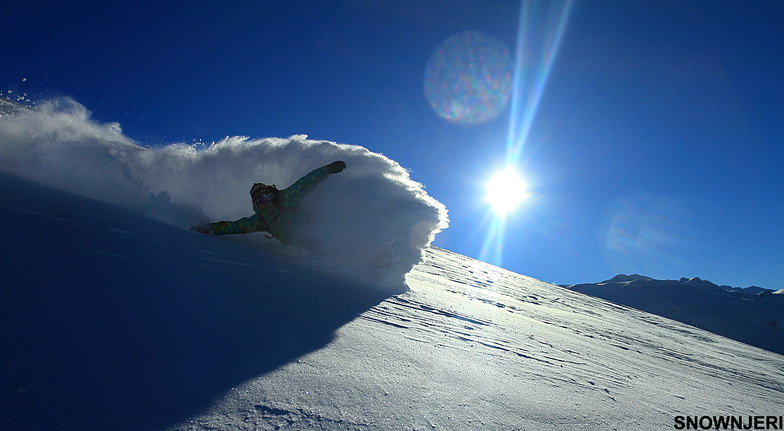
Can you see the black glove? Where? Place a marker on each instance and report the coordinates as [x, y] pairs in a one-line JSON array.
[[335, 167]]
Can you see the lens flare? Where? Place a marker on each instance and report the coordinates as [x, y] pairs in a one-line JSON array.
[[468, 78]]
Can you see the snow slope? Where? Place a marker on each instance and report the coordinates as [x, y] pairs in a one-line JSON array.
[[112, 320], [740, 314]]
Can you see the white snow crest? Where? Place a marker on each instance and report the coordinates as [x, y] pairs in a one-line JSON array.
[[371, 221]]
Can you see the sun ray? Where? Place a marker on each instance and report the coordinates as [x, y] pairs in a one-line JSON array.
[[538, 39], [532, 68]]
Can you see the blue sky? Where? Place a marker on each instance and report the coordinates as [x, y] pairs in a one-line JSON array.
[[654, 141]]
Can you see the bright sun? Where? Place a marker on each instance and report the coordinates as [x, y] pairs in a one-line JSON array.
[[505, 191]]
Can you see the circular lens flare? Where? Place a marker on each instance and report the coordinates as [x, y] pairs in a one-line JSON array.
[[468, 78], [505, 191]]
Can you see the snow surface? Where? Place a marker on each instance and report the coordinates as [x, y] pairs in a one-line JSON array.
[[112, 320], [372, 218]]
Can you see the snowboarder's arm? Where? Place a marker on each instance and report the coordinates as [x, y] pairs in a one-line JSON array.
[[292, 195], [244, 225]]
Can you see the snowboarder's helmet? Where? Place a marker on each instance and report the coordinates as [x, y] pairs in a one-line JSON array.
[[263, 196]]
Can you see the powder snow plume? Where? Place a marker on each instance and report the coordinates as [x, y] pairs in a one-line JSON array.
[[370, 222]]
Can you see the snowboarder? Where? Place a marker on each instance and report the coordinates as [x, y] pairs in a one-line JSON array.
[[275, 211]]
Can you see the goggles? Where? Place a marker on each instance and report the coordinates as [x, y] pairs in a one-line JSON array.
[[264, 198]]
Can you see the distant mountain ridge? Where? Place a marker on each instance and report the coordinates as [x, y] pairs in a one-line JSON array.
[[695, 282], [752, 315]]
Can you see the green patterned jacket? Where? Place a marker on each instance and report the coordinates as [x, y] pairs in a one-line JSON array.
[[280, 219]]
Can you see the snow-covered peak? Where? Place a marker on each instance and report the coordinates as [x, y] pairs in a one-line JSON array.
[[697, 283], [623, 278], [751, 290]]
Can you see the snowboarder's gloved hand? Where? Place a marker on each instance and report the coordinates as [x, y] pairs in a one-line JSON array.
[[335, 167]]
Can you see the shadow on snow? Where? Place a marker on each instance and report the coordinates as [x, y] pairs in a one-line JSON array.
[[110, 320]]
